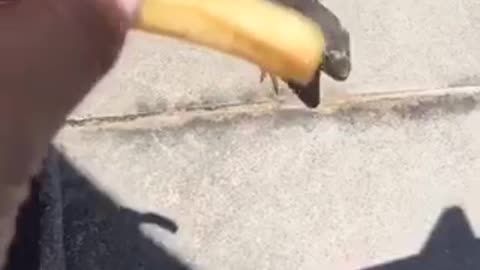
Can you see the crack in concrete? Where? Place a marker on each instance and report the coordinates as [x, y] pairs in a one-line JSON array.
[[407, 103], [132, 117]]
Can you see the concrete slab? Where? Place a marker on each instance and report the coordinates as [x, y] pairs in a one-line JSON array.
[[158, 74], [397, 45], [191, 135], [286, 188]]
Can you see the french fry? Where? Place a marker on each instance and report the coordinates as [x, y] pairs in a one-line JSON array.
[[277, 39]]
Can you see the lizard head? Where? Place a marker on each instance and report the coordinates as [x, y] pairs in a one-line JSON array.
[[337, 63]]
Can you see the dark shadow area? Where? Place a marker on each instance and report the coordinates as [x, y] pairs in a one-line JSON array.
[[451, 246], [25, 248], [69, 224]]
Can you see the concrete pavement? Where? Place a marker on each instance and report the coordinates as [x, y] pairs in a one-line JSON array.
[[256, 184], [400, 45], [290, 189]]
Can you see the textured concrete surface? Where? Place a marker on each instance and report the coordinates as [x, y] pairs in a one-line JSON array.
[[182, 159], [396, 45], [284, 188]]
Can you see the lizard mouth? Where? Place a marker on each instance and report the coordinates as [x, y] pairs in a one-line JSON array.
[[339, 69]]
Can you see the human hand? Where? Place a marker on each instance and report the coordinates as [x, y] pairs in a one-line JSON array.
[[52, 53]]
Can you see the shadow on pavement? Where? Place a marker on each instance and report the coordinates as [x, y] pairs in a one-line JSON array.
[[451, 245], [69, 224]]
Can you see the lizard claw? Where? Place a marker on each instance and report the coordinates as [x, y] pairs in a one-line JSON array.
[[274, 79]]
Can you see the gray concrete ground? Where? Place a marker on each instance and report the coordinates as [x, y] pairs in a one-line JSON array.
[[399, 45], [255, 184]]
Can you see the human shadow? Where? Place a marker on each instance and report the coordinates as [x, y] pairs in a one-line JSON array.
[[69, 224], [452, 245]]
